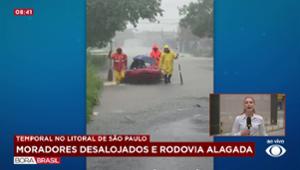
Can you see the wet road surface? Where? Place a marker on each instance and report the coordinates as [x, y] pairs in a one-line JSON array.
[[171, 112]]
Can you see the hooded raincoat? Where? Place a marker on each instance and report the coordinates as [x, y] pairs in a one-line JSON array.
[[167, 61], [155, 54]]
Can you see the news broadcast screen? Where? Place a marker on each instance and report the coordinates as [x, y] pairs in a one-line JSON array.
[[149, 84]]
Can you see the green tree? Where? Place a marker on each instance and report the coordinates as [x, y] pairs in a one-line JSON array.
[[198, 17], [105, 17]]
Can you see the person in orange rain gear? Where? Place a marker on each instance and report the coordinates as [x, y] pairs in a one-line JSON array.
[[119, 64], [155, 54]]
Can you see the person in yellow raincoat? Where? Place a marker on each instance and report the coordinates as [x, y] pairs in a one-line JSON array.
[[166, 63]]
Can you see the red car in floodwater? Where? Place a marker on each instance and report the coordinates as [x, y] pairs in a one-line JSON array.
[[143, 71]]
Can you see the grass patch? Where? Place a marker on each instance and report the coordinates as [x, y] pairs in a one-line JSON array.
[[94, 83], [99, 62]]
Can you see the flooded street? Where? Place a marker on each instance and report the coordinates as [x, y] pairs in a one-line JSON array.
[[170, 112]]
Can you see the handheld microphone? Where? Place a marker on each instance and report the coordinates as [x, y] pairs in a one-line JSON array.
[[249, 125]]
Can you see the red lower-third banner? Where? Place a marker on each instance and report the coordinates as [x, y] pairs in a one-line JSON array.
[[137, 148]]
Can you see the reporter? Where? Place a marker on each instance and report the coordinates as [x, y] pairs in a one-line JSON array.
[[249, 123]]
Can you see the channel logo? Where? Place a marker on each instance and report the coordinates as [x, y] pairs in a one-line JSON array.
[[24, 160], [275, 150], [36, 160]]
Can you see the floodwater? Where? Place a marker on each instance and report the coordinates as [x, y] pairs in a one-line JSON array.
[[171, 112]]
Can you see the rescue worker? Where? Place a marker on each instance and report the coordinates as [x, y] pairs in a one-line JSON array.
[[166, 63], [119, 64], [155, 54]]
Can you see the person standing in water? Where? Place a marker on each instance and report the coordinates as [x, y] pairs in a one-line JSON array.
[[119, 64], [166, 63], [155, 54]]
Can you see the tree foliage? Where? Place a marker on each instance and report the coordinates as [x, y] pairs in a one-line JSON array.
[[105, 17], [198, 17]]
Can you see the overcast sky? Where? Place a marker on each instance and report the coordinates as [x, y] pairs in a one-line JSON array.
[[170, 19]]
